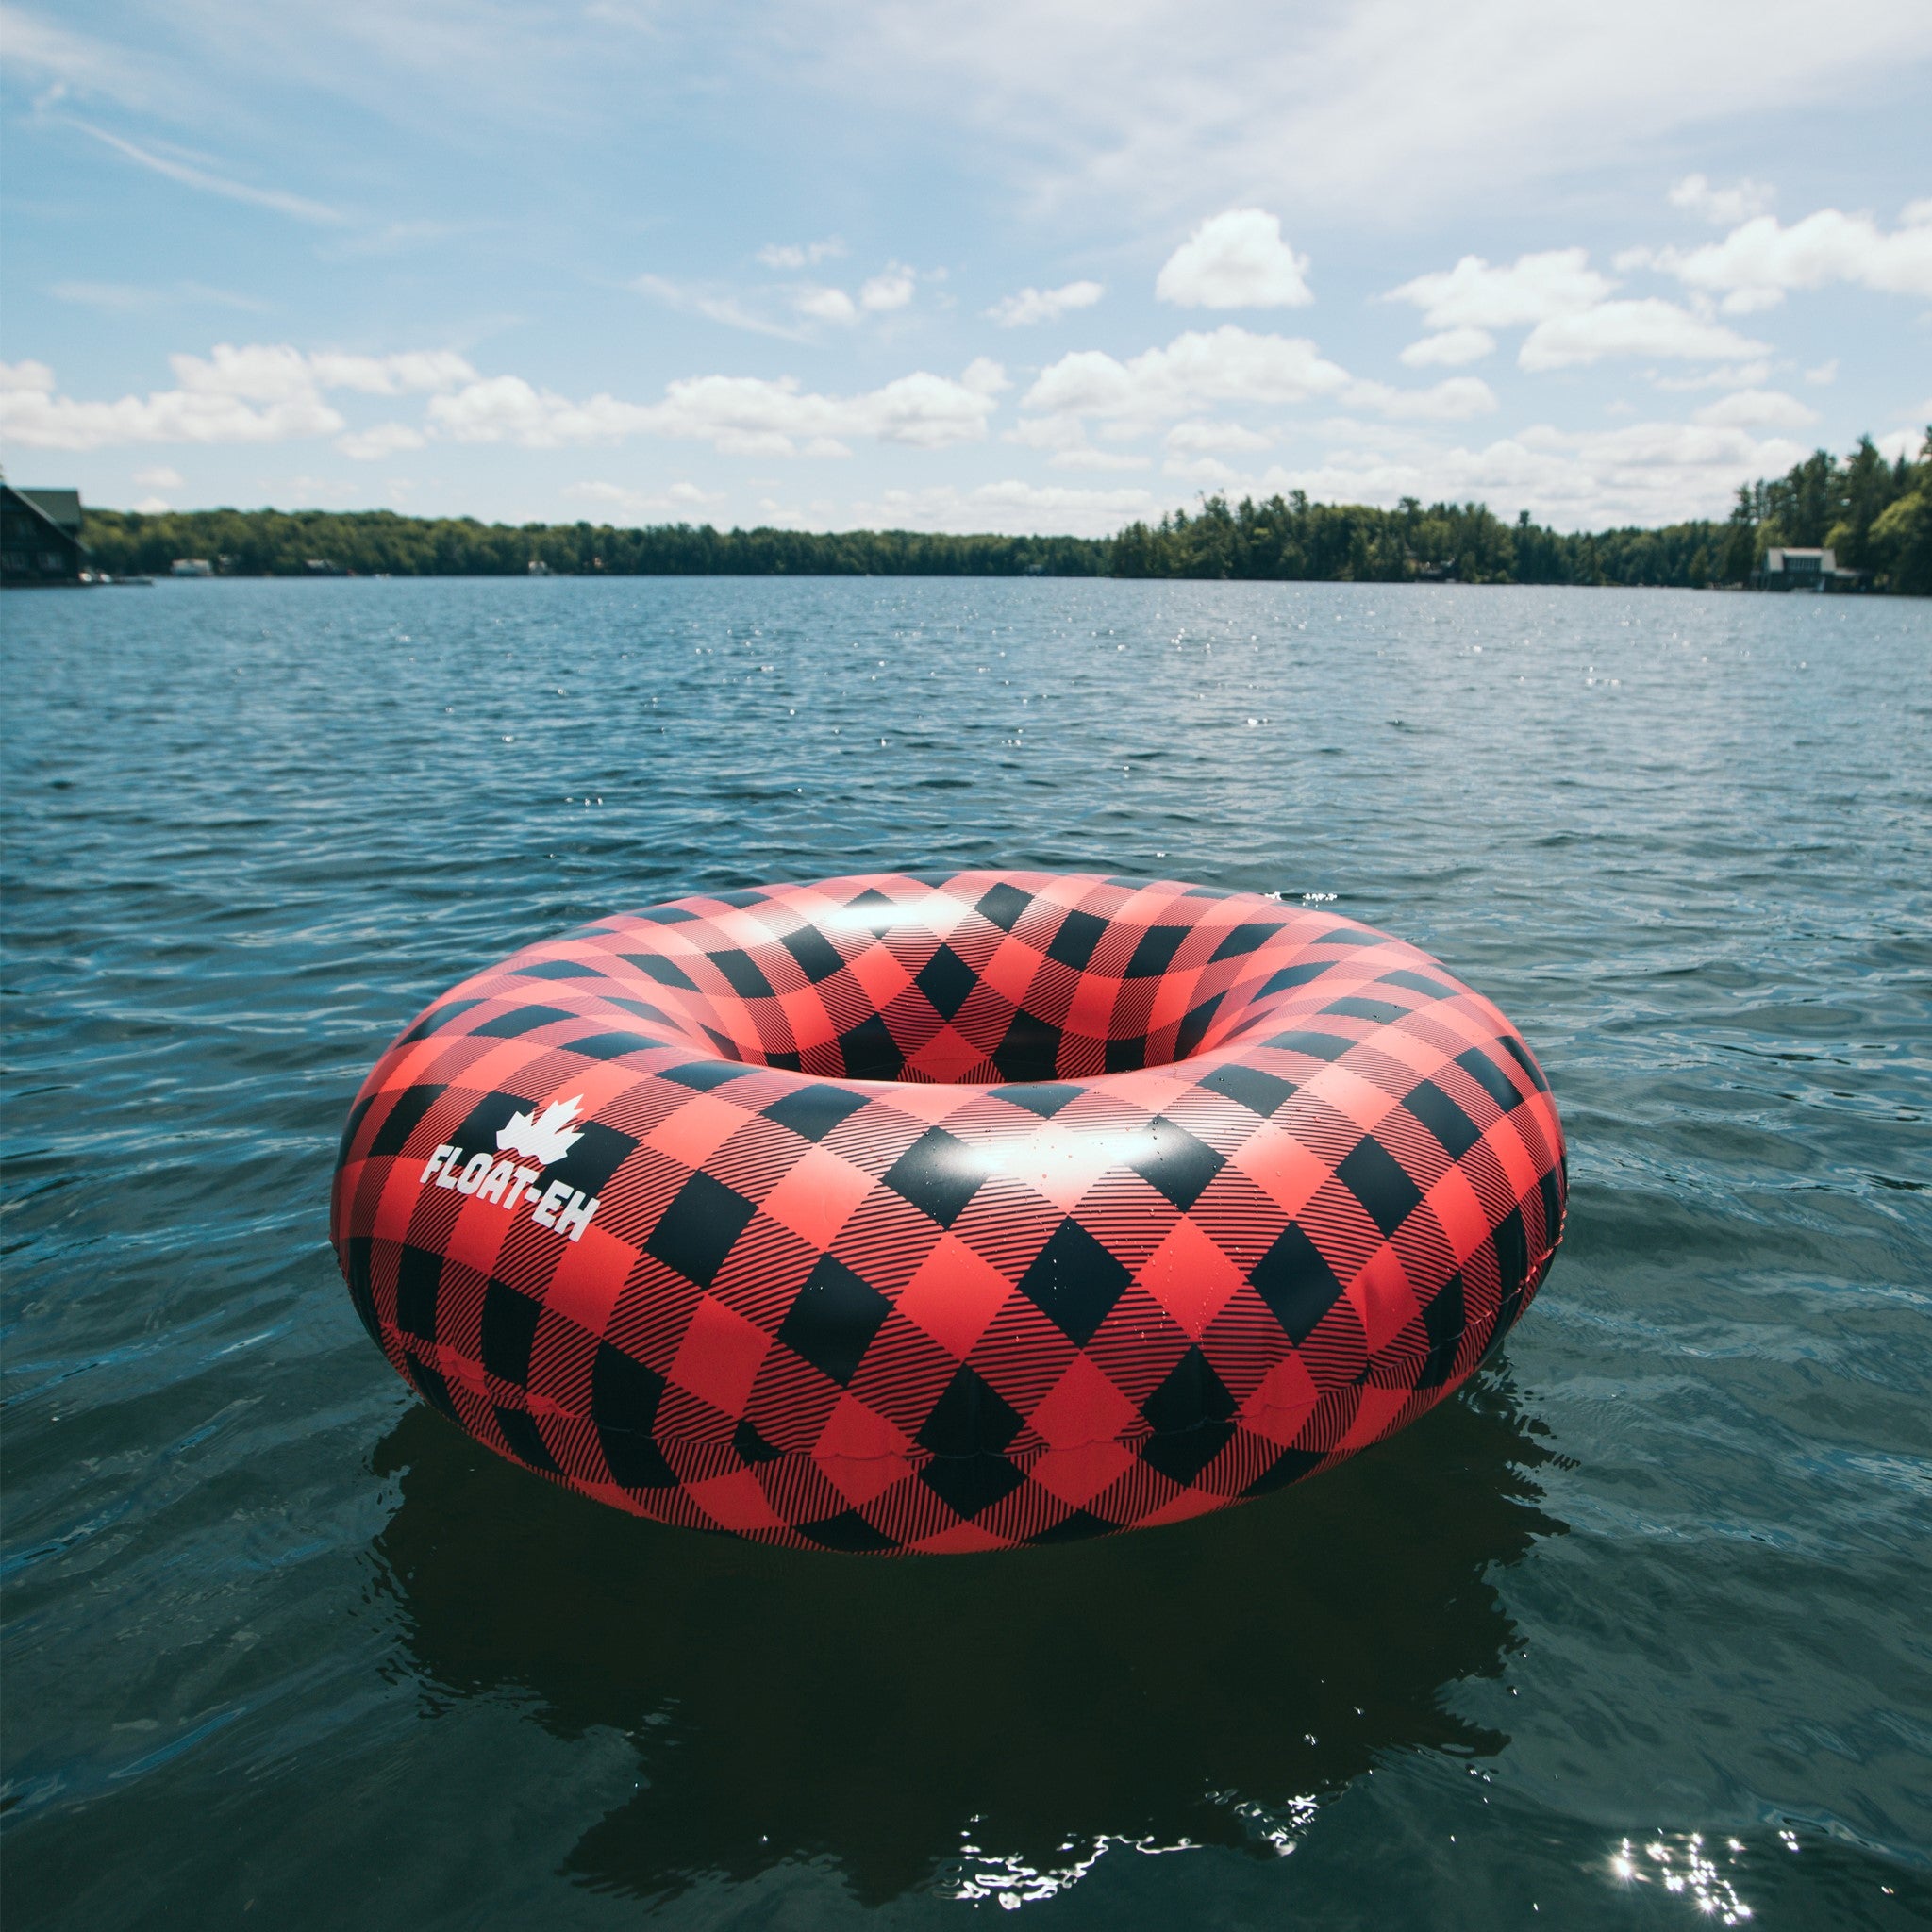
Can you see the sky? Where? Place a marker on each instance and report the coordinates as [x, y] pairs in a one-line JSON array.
[[1014, 265]]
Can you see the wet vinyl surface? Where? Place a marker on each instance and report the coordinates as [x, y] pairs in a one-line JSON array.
[[1631, 1633]]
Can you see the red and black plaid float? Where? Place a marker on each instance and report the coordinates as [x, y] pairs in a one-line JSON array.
[[947, 1212]]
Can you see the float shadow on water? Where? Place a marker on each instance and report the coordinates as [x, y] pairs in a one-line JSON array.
[[1189, 1687]]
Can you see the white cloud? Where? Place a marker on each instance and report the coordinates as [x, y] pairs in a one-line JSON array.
[[1751, 301], [319, 489], [208, 182], [1754, 265], [153, 506], [506, 409], [1533, 289], [1648, 327], [1097, 147], [1013, 506], [131, 298], [1757, 408], [160, 477], [1824, 373], [31, 413], [1660, 471], [1198, 370], [72, 62], [1640, 473], [384, 440], [740, 416], [223, 64], [1236, 260], [681, 500], [53, 422], [778, 513], [826, 305], [1051, 432], [1201, 438], [1697, 195], [984, 376], [1450, 401], [791, 255], [1193, 372], [1726, 376], [1680, 446], [276, 371], [715, 305], [889, 289], [1450, 348], [1363, 106], [248, 393], [1083, 458], [255, 372], [1208, 472], [413, 371], [1043, 305]]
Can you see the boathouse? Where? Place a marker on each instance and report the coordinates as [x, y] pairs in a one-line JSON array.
[[1787, 569], [40, 536]]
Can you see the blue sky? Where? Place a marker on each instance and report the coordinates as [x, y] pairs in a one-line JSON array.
[[964, 264]]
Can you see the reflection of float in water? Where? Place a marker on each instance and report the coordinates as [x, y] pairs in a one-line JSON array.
[[975, 1727]]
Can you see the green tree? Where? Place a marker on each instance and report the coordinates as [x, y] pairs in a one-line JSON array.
[[1878, 516]]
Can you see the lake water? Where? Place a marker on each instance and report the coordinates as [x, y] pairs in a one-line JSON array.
[[1636, 1632]]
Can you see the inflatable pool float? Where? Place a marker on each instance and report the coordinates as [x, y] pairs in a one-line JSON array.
[[947, 1212]]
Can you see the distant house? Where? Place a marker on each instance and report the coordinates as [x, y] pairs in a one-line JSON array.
[[1804, 570], [40, 536]]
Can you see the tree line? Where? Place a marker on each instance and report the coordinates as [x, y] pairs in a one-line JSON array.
[[1878, 516], [272, 542]]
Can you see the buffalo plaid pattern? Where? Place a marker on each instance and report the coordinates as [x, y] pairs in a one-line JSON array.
[[948, 1212]]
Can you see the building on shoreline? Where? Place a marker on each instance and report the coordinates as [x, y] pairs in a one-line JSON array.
[[1787, 569], [40, 537]]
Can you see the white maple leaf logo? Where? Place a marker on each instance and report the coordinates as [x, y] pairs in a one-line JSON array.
[[544, 1139]]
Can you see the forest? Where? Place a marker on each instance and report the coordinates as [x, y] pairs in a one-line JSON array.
[[1877, 517]]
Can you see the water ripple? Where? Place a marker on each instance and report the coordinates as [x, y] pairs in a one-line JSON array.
[[1626, 1634]]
